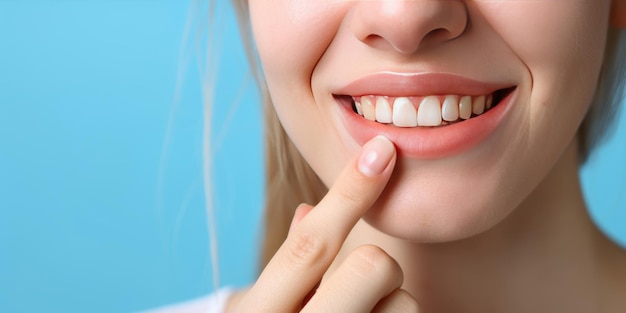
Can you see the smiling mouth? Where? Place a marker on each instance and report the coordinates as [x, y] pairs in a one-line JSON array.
[[426, 111]]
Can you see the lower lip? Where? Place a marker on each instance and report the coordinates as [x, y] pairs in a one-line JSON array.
[[430, 142]]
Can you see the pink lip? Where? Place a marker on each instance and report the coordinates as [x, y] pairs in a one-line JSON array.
[[424, 142], [399, 85]]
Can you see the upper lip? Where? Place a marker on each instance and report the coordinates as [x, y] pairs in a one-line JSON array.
[[418, 84]]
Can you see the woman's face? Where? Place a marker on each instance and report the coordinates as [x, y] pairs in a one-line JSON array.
[[480, 97]]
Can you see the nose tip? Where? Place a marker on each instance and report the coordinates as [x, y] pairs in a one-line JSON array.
[[407, 26]]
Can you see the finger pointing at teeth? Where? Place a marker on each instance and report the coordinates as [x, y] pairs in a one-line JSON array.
[[313, 243]]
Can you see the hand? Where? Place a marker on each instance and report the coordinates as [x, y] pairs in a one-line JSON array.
[[368, 280]]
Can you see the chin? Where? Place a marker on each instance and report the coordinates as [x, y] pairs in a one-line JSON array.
[[437, 208]]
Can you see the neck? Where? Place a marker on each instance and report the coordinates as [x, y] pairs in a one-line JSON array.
[[547, 256]]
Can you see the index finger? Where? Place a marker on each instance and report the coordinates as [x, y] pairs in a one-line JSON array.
[[313, 244]]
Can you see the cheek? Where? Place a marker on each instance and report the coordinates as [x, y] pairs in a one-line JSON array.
[[291, 37], [561, 43], [553, 27], [558, 39]]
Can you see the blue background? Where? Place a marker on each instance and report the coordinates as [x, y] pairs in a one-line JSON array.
[[102, 200]]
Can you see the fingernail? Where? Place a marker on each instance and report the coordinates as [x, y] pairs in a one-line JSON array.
[[298, 215], [375, 157]]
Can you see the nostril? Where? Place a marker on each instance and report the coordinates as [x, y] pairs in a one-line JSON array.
[[375, 41], [439, 33]]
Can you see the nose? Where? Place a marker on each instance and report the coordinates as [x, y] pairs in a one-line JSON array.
[[408, 25]]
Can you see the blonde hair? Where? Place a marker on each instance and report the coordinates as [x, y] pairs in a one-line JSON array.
[[290, 181]]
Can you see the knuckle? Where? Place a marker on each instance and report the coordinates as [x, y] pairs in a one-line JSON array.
[[305, 248], [398, 301], [352, 192], [373, 262], [404, 302], [350, 196]]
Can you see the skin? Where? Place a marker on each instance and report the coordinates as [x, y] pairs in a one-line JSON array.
[[518, 240]]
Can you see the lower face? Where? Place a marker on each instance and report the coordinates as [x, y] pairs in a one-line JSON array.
[[340, 72]]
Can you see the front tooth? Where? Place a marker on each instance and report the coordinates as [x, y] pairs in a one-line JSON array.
[[489, 102], [368, 108], [357, 104], [383, 110], [450, 108], [429, 112], [479, 105], [465, 107], [404, 113]]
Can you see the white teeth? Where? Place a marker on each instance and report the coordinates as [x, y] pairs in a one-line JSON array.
[[465, 107], [478, 107], [368, 108], [383, 110], [404, 113], [357, 105], [432, 111], [450, 108], [429, 112]]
